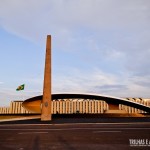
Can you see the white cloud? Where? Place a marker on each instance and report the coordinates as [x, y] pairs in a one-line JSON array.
[[82, 81], [99, 32], [31, 19], [100, 82]]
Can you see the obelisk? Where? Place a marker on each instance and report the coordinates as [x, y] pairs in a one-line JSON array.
[[46, 101]]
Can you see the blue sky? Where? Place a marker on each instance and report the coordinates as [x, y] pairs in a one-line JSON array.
[[99, 46]]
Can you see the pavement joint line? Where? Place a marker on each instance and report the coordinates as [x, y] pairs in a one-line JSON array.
[[74, 124], [103, 123], [105, 131], [31, 132], [68, 129]]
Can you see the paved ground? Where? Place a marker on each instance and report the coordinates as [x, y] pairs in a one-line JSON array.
[[75, 118], [88, 136]]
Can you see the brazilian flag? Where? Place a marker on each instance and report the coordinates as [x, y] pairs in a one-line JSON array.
[[21, 87]]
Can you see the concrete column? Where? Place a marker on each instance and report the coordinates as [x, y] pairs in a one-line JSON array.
[[71, 106], [105, 107], [46, 101], [57, 107], [87, 106], [93, 107], [78, 106], [54, 105], [16, 107], [61, 105], [99, 106], [81, 108], [90, 106], [10, 110], [74, 106], [66, 108], [19, 110], [22, 109]]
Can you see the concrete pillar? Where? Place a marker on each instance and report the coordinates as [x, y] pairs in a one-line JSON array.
[[57, 107], [66, 107], [74, 106], [84, 107], [98, 106], [19, 110], [92, 106], [87, 106], [60, 106], [10, 110], [15, 107], [81, 106], [102, 106], [70, 106], [78, 107], [96, 109], [46, 101], [54, 105]]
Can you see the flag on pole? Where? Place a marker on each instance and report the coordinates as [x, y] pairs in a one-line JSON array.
[[21, 87]]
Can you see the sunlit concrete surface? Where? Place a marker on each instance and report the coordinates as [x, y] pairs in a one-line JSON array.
[[11, 119], [85, 103]]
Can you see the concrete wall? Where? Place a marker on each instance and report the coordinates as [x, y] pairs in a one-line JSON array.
[[69, 106], [15, 108]]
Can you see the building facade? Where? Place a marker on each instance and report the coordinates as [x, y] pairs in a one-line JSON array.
[[72, 106]]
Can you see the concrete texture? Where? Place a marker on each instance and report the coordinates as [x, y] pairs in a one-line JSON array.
[[93, 136], [46, 100]]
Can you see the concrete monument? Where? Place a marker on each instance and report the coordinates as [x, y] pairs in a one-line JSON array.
[[47, 98]]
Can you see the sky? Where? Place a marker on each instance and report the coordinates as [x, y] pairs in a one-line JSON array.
[[98, 46]]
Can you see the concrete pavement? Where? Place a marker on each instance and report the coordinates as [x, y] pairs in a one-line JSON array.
[[75, 136]]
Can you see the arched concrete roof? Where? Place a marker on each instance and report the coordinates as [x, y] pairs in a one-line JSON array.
[[108, 99]]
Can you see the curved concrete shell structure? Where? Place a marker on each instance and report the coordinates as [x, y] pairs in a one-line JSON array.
[[34, 104]]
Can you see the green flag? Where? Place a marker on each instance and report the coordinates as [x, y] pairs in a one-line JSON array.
[[21, 87]]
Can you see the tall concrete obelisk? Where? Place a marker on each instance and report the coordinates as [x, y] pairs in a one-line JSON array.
[[46, 101]]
